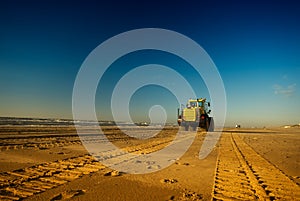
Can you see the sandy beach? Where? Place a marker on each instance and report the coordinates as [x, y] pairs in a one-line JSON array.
[[50, 163], [149, 100]]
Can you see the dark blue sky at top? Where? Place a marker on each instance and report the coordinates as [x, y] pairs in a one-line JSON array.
[[255, 46]]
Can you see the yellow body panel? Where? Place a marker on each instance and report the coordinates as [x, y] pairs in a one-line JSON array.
[[189, 114]]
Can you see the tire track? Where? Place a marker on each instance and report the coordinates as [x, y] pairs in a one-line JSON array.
[[276, 184], [44, 141], [231, 180], [23, 183], [15, 145], [242, 174]]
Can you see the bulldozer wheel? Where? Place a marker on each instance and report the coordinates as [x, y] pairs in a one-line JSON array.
[[211, 124], [207, 124]]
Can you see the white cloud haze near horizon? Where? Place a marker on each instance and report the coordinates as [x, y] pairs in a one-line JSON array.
[[286, 91]]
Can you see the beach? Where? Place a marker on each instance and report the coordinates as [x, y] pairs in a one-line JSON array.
[[51, 163]]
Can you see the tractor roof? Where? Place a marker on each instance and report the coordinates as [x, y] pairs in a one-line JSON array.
[[198, 100]]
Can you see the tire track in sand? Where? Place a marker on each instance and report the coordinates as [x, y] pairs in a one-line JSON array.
[[45, 141], [242, 174], [23, 183], [42, 142]]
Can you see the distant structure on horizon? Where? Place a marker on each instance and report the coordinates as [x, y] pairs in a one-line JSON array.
[[292, 126]]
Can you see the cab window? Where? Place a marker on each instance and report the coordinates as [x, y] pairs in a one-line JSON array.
[[193, 104]]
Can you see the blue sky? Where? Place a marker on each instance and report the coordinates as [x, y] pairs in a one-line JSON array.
[[255, 46]]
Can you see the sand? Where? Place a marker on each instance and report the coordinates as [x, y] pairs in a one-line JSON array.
[[247, 164]]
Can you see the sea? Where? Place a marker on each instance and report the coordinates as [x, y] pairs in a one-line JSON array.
[[55, 122], [17, 121]]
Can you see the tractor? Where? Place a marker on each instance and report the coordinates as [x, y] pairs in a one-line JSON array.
[[195, 114]]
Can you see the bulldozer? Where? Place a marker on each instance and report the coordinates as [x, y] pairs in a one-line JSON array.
[[195, 114]]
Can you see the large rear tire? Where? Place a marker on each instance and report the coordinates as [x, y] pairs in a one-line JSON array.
[[207, 124], [211, 127]]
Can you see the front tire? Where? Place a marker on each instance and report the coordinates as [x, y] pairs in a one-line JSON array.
[[186, 127]]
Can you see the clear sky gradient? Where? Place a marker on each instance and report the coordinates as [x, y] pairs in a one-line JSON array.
[[255, 46]]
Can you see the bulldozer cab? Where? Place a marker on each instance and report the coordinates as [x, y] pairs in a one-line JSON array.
[[196, 103], [196, 114], [192, 104]]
